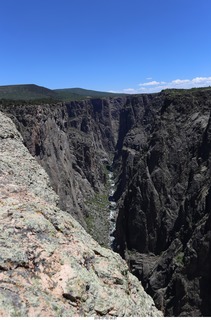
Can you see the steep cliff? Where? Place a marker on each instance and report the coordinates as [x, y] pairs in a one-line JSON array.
[[163, 227], [49, 265], [74, 143], [159, 149]]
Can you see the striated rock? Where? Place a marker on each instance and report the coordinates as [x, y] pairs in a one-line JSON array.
[[163, 227], [74, 142], [49, 265]]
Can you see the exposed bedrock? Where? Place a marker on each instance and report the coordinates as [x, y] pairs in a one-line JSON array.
[[49, 265], [163, 226], [160, 147], [74, 142]]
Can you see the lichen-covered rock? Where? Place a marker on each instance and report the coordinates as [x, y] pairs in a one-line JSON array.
[[49, 265]]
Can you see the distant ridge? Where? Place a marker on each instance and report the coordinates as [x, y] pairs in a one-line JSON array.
[[33, 92], [83, 93], [26, 92]]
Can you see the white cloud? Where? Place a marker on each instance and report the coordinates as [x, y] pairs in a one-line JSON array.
[[156, 86], [151, 83], [190, 83], [199, 80], [180, 82], [129, 90]]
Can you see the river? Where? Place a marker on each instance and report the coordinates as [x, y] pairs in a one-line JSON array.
[[112, 209]]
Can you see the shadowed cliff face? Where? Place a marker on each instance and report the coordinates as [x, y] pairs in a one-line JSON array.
[[161, 148], [163, 227]]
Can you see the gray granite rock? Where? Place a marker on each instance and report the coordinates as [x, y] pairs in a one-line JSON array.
[[49, 265]]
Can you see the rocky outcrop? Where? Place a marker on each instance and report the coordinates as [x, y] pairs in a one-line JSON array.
[[49, 265]]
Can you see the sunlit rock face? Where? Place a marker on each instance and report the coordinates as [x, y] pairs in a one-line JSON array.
[[159, 148], [49, 265]]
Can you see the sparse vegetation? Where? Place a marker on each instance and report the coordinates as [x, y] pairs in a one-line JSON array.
[[179, 258], [98, 217], [99, 201]]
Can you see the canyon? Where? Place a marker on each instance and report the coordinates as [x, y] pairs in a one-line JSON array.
[[151, 155], [49, 265]]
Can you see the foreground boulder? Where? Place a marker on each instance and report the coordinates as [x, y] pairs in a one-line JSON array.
[[49, 265]]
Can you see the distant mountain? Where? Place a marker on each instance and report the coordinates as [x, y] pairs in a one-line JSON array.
[[80, 93], [26, 92], [32, 92]]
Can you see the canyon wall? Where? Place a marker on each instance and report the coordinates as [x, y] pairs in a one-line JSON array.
[[74, 143], [49, 265], [159, 149], [163, 227]]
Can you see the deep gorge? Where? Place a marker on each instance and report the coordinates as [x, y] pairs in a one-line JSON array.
[[159, 148]]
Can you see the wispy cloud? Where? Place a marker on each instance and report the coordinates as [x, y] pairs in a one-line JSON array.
[[202, 80], [150, 83], [156, 86], [180, 82], [129, 90]]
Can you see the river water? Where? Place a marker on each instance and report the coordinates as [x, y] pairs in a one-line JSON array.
[[112, 209]]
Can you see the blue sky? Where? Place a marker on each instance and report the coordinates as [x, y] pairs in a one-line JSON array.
[[110, 45]]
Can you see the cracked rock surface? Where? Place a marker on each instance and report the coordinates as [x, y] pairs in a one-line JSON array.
[[49, 265]]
